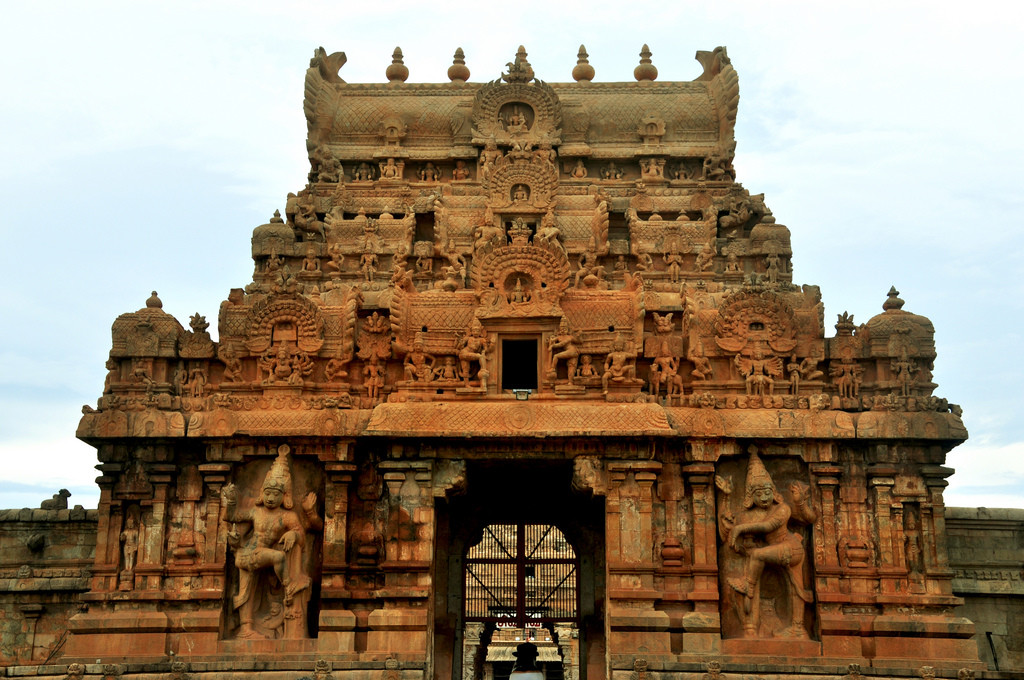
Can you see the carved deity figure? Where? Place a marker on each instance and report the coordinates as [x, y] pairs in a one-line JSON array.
[[474, 347], [362, 173], [273, 581], [519, 295], [563, 346], [515, 122], [488, 234], [587, 368], [429, 173], [673, 265], [311, 263], [520, 193], [488, 157], [285, 366], [904, 368], [579, 171], [328, 167], [306, 220], [772, 268], [610, 171], [337, 259], [461, 171], [196, 383], [130, 543], [701, 364], [619, 365], [591, 272], [419, 366], [548, 232], [389, 170], [447, 371], [847, 375], [807, 369], [760, 534], [374, 372], [759, 371], [705, 257], [368, 266]]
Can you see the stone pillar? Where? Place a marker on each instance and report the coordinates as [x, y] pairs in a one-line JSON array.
[[149, 571], [108, 546], [889, 523], [568, 646], [633, 623], [702, 627], [840, 631], [337, 623], [471, 650], [399, 627]]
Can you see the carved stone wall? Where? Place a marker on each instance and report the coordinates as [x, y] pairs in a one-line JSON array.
[[516, 301]]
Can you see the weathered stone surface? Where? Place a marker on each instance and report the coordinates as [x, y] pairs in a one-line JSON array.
[[520, 359]]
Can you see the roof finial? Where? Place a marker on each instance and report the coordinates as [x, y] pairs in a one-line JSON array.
[[646, 70], [457, 72], [583, 72], [398, 71], [893, 301], [519, 71], [153, 302]]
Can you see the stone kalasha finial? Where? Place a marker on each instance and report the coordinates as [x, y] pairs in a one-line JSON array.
[[893, 301], [398, 72], [276, 219], [153, 302], [457, 72], [646, 70], [583, 71]]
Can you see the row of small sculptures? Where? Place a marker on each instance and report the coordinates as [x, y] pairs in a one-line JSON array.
[[329, 169]]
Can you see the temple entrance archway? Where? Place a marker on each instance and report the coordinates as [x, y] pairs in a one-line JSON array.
[[519, 556]]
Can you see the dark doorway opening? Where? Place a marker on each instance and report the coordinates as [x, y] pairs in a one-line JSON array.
[[519, 364], [506, 497]]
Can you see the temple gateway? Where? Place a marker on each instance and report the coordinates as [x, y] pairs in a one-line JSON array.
[[521, 363]]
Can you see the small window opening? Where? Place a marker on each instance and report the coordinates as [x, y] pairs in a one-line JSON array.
[[519, 364], [424, 227]]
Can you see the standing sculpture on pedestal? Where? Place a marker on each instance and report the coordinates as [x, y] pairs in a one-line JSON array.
[[760, 534], [276, 542]]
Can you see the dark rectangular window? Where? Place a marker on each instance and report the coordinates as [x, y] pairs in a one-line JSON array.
[[519, 364]]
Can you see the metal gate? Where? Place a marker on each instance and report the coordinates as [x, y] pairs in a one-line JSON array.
[[521, 575]]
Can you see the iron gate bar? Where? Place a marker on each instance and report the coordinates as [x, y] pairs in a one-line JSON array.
[[494, 604]]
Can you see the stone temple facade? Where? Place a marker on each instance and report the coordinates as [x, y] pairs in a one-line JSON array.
[[522, 361]]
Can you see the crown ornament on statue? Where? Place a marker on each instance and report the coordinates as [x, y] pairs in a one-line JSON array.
[[757, 477], [280, 477]]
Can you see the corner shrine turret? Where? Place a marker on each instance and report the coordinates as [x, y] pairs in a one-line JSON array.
[[507, 305]]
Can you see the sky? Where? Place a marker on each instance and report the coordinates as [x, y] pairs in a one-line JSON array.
[[140, 144]]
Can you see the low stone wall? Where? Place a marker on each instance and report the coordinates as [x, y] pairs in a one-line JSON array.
[[46, 558], [986, 551]]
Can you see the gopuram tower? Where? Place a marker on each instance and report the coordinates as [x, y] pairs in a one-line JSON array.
[[522, 361]]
